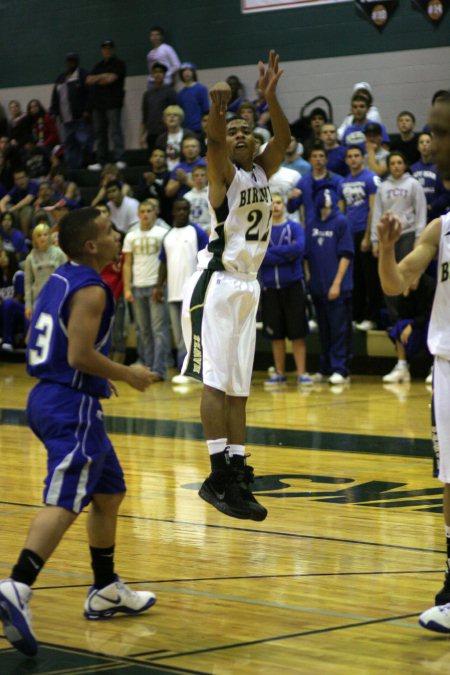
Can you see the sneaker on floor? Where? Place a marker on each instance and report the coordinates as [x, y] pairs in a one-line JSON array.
[[305, 380], [16, 616], [121, 165], [221, 490], [7, 347], [95, 167], [429, 377], [337, 378], [275, 380], [436, 619], [245, 477], [400, 373], [366, 325], [117, 597], [318, 377]]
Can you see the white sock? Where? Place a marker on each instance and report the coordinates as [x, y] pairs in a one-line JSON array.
[[402, 363], [236, 450], [219, 445]]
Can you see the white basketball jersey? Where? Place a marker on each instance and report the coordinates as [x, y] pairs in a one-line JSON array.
[[439, 330], [240, 228]]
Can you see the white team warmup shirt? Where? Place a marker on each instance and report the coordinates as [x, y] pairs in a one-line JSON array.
[[145, 246]]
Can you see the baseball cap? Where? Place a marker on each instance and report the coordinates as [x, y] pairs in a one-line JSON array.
[[72, 56], [362, 85], [108, 43]]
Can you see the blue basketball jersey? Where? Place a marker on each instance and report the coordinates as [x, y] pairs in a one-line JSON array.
[[48, 344]]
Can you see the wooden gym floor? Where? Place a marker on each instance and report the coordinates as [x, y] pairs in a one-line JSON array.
[[332, 582]]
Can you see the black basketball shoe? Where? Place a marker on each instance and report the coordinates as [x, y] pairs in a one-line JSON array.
[[443, 597], [245, 477], [221, 490]]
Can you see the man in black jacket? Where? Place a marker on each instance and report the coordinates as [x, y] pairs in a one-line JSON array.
[[70, 103], [107, 80]]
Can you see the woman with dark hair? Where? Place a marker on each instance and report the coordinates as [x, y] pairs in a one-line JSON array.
[[43, 126]]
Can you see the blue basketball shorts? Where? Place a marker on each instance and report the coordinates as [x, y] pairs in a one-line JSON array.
[[81, 459]]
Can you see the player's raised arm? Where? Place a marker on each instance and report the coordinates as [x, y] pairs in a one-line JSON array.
[[220, 168], [273, 155]]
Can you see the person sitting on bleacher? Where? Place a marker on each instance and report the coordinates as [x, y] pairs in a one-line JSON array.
[[111, 172], [180, 180], [153, 183], [123, 209], [171, 139]]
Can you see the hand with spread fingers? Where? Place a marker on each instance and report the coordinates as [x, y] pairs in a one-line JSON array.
[[268, 77]]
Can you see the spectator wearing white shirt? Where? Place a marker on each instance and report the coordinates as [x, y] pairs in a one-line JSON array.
[[123, 209], [198, 199], [163, 53]]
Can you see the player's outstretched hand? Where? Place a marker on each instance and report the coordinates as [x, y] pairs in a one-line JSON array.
[[139, 377], [389, 229], [220, 96], [268, 77]]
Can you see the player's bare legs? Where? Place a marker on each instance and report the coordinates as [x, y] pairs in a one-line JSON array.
[[101, 522], [47, 530]]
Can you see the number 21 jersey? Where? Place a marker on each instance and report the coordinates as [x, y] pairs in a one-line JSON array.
[[240, 227]]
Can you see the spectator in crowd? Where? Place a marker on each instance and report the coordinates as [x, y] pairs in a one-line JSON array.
[[123, 209], [202, 136], [11, 301], [304, 192], [293, 158], [365, 90], [376, 155], [180, 180], [170, 140], [359, 189], [141, 249], [407, 142], [112, 275], [402, 195], [329, 252], [107, 80], [40, 263], [19, 200], [70, 104], [425, 170], [335, 151], [154, 102], [19, 124], [193, 97], [64, 187], [153, 183], [43, 126], [45, 197], [441, 202], [316, 120], [409, 332], [10, 161], [284, 182], [283, 294], [354, 134], [198, 199], [13, 239], [237, 93], [111, 172], [35, 159], [161, 52], [178, 258], [249, 113]]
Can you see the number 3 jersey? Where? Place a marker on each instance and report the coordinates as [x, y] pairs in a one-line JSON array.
[[240, 227], [47, 340]]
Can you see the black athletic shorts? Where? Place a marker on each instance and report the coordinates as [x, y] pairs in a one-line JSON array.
[[283, 312]]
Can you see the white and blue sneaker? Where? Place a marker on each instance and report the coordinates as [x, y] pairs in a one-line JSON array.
[[305, 380], [436, 619], [275, 380], [103, 603], [16, 616]]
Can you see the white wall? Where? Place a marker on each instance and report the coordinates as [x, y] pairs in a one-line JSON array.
[[404, 80]]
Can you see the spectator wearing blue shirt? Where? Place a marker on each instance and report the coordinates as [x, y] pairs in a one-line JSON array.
[[302, 196], [354, 134], [335, 152], [359, 189], [283, 296], [180, 180], [193, 97], [329, 252], [20, 198], [14, 241], [293, 158], [425, 170]]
